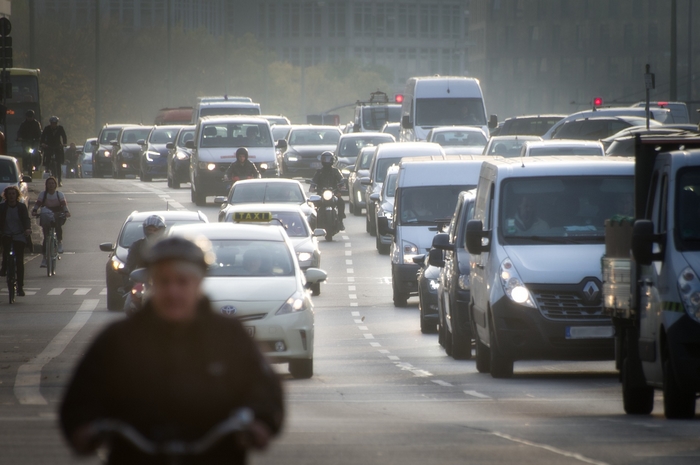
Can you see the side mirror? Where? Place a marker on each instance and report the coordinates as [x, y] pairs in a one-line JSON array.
[[419, 260], [493, 121], [220, 199], [442, 242], [374, 197], [113, 143], [475, 236], [93, 143], [314, 198], [435, 258], [170, 146], [383, 226], [406, 122], [107, 247], [139, 275], [643, 239], [189, 144], [281, 144], [314, 275], [26, 178], [141, 142], [366, 181], [356, 127], [318, 232]]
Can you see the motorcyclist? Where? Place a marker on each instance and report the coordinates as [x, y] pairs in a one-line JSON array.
[[52, 140], [242, 168], [153, 229], [173, 370], [330, 178], [29, 133]]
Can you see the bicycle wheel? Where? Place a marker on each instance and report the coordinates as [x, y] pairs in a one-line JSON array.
[[50, 252], [11, 277]]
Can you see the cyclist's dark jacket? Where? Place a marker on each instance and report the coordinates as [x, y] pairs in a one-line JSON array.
[[328, 178], [55, 139], [23, 213], [172, 381], [243, 170], [29, 130], [135, 259]]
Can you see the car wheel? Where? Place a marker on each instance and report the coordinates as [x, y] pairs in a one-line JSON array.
[[427, 326], [367, 225], [483, 357], [399, 296], [501, 365], [679, 402], [373, 226], [315, 289], [115, 301], [461, 338], [96, 173], [302, 369], [351, 208], [200, 199], [175, 184], [358, 210], [636, 400], [383, 249], [170, 182]]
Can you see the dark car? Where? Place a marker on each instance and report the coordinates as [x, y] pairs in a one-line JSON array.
[[179, 157], [303, 148], [154, 152], [349, 146], [428, 293], [621, 144], [102, 155], [132, 230], [531, 125], [126, 152]]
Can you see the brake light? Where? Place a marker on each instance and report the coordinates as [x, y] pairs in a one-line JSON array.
[[398, 98], [598, 102]]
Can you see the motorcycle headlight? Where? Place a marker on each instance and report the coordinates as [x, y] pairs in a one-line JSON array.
[[410, 250], [296, 303], [689, 289], [513, 286], [117, 264], [463, 282], [304, 256], [327, 195]]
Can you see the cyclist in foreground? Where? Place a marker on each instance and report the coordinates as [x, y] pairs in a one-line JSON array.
[[173, 371], [16, 229], [55, 201]]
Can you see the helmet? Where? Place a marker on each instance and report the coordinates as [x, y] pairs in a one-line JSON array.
[[179, 248], [29, 114], [327, 158], [53, 119], [153, 220], [242, 152]]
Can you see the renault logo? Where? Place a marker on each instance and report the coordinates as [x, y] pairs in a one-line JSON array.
[[228, 310], [591, 291]]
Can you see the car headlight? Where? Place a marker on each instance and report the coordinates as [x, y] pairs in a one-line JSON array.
[[207, 166], [291, 156], [107, 153], [463, 282], [304, 256], [410, 250], [689, 289], [263, 166], [327, 195], [296, 303], [513, 286], [433, 285], [182, 156], [150, 154], [117, 264]]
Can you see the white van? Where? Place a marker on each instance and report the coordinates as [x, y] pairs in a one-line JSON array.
[[430, 102], [536, 241], [661, 115], [426, 195], [216, 140], [212, 106]]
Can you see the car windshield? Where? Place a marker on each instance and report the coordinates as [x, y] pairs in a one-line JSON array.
[[259, 192], [374, 117], [366, 158], [383, 165], [450, 112], [292, 222], [426, 204], [460, 138], [251, 258], [562, 210], [688, 208], [88, 147], [530, 126], [185, 136], [228, 111], [314, 137], [350, 146], [133, 230], [163, 135], [506, 148], [236, 135], [564, 150], [132, 136], [108, 135], [8, 172], [390, 185]]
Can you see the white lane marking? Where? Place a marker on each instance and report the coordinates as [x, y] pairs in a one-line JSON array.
[[368, 336], [348, 262], [78, 290], [354, 304], [352, 288], [383, 351], [363, 328], [26, 291], [103, 291], [28, 379], [346, 238], [348, 244], [385, 280], [552, 449], [393, 357], [355, 313], [477, 394], [351, 279], [350, 271], [416, 372], [352, 296], [375, 344], [348, 253], [357, 321], [442, 383]]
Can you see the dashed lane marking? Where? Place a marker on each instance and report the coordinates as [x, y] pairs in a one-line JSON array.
[[354, 304], [368, 336], [358, 321], [363, 328], [375, 344], [394, 358], [555, 450], [77, 290], [478, 395], [350, 271], [348, 262], [352, 288], [351, 279], [355, 313], [348, 253], [442, 383], [346, 238], [352, 296]]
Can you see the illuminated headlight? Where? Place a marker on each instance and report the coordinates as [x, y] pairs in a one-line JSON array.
[[689, 289], [207, 166], [410, 250], [292, 158], [433, 284], [182, 156], [124, 165], [107, 153], [150, 154], [117, 264], [463, 282], [263, 166], [327, 195], [296, 303], [513, 286], [304, 256], [345, 172]]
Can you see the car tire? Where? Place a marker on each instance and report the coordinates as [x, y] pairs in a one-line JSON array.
[[461, 338], [483, 356], [145, 177], [315, 289], [427, 326], [501, 365], [170, 182], [115, 301], [367, 228], [200, 199], [679, 403], [383, 249], [176, 184], [400, 298], [302, 368], [373, 226], [351, 208], [635, 400], [96, 174], [358, 210]]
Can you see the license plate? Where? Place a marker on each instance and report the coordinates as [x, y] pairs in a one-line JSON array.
[[589, 332], [316, 165], [250, 330]]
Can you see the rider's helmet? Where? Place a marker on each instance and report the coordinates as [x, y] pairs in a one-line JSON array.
[[327, 159], [180, 249], [53, 119], [29, 114], [242, 153], [153, 220]]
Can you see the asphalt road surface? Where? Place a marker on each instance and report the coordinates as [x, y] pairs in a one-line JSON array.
[[382, 393]]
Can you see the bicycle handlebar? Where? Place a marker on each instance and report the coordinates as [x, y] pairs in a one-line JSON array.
[[237, 422]]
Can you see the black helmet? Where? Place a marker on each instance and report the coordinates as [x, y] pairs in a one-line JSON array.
[[181, 249], [242, 152], [154, 220], [327, 158], [29, 114], [53, 119]]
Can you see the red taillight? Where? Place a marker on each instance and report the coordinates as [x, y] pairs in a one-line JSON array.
[[598, 102], [398, 98], [662, 104]]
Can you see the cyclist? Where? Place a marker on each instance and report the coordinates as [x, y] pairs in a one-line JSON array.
[[330, 178], [56, 202], [242, 168], [29, 133], [16, 229], [173, 370], [52, 140]]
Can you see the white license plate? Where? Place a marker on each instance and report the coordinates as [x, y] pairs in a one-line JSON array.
[[250, 330], [589, 332], [316, 165]]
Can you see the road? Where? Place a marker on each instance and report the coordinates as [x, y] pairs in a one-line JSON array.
[[382, 393]]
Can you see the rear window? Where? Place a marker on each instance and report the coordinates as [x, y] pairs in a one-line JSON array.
[[314, 137], [528, 126], [132, 136], [553, 151], [226, 111], [163, 136]]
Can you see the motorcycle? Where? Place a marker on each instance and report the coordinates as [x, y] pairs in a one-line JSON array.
[[326, 211]]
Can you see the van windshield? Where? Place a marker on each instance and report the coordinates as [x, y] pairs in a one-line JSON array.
[[226, 111], [562, 210], [688, 208], [436, 112], [374, 117], [426, 204], [236, 135]]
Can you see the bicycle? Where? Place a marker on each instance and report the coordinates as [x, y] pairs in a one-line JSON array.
[[51, 248], [12, 272]]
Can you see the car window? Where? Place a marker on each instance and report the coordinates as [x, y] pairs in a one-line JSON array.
[[236, 135], [8, 172], [228, 111], [163, 136], [280, 132], [383, 165], [251, 258], [374, 117], [506, 148], [365, 159], [550, 151], [292, 222], [185, 136], [133, 231], [351, 146], [390, 189], [132, 136], [314, 137], [108, 136], [88, 148], [459, 138], [258, 192]]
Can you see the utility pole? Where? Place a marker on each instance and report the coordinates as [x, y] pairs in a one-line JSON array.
[[168, 20], [690, 50], [98, 89], [32, 39], [673, 93]]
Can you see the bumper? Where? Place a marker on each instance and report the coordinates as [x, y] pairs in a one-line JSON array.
[[102, 164], [157, 167], [405, 277], [128, 165], [181, 170], [684, 346], [295, 331], [524, 334], [429, 300]]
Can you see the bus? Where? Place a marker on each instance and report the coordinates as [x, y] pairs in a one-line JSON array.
[[25, 96]]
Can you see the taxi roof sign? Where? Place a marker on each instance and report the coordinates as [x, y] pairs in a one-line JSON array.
[[252, 217]]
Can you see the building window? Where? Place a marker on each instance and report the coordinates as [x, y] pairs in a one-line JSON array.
[[336, 19], [412, 21]]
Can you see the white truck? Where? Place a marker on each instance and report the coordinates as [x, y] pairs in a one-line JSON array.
[[653, 294]]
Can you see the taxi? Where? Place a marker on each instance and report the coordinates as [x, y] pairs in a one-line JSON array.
[[256, 277]]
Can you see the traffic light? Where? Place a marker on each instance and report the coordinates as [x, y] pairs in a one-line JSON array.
[[398, 98], [597, 102]]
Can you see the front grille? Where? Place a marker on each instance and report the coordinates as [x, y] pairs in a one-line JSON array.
[[567, 304], [256, 316]]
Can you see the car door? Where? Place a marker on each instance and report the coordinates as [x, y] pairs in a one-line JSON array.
[[479, 275]]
